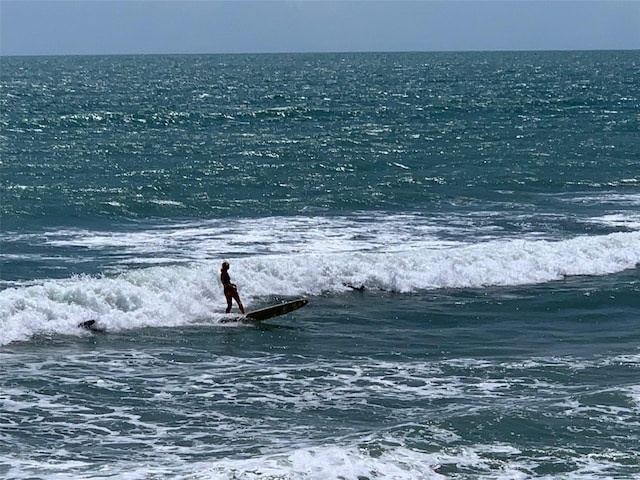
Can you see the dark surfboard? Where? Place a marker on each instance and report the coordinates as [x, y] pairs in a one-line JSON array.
[[276, 310]]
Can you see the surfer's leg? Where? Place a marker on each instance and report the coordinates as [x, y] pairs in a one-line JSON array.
[[237, 299], [229, 298]]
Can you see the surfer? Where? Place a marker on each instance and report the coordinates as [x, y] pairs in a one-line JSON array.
[[230, 289]]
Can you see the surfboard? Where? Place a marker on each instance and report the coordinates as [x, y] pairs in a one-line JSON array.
[[276, 310]]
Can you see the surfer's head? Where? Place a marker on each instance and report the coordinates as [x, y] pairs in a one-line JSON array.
[[225, 265]]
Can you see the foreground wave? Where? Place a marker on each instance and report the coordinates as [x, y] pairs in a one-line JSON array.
[[174, 295]]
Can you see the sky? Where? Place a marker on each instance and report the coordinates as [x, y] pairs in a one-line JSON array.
[[88, 27]]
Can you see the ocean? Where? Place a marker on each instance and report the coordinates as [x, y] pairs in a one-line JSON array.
[[465, 226]]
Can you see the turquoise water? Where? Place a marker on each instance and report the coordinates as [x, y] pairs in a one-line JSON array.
[[466, 227]]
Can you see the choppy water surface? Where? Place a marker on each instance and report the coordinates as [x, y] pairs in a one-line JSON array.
[[465, 227]]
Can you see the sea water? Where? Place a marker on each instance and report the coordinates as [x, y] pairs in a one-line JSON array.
[[466, 227]]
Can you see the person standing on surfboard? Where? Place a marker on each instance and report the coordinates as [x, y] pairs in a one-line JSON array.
[[230, 289]]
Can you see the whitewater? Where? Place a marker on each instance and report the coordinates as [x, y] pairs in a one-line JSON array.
[[311, 256]]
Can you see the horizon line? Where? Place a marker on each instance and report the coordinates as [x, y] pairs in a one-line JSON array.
[[328, 52]]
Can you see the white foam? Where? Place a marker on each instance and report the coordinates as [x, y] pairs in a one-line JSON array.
[[346, 462], [323, 462], [176, 295], [619, 220], [201, 240], [203, 439], [310, 463], [620, 199], [363, 233]]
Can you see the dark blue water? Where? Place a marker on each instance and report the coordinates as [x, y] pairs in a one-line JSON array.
[[466, 227]]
